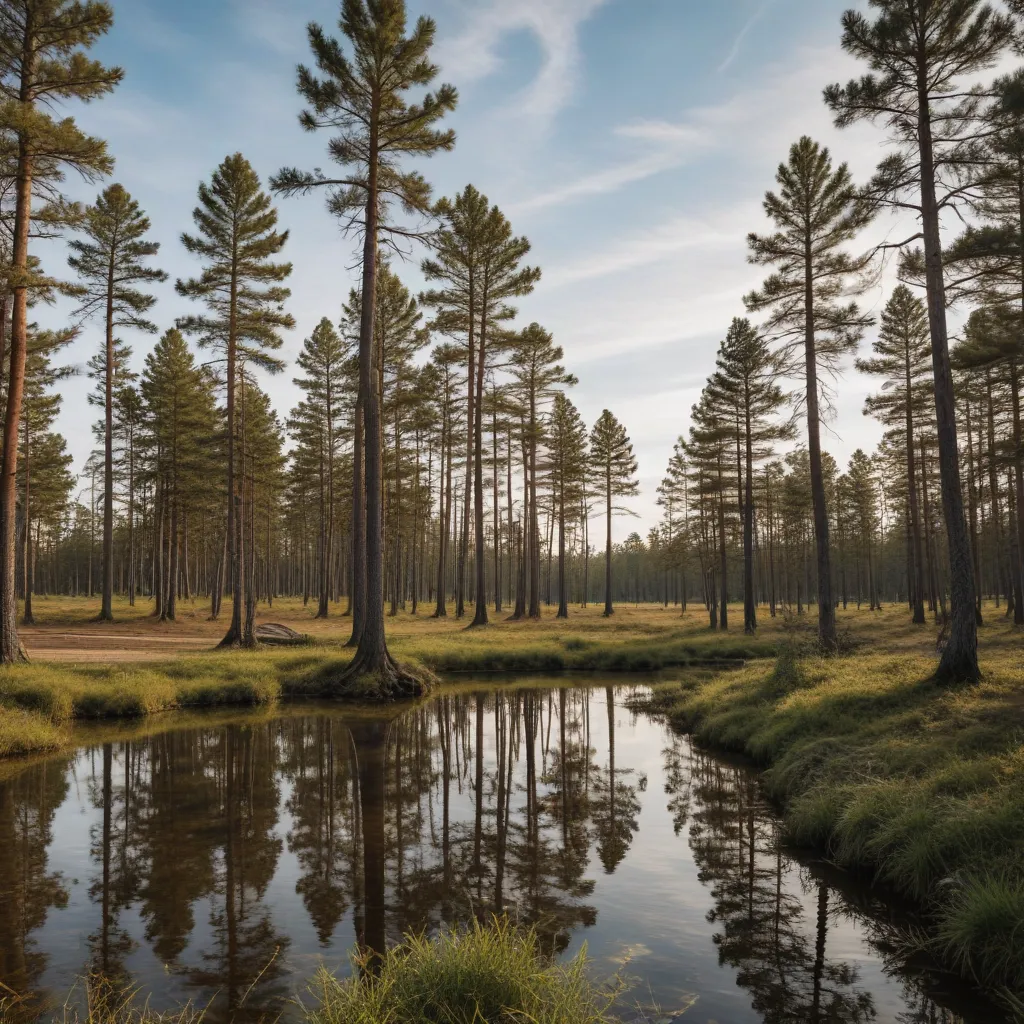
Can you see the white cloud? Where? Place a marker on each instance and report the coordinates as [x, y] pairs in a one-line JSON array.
[[717, 231], [754, 122], [472, 55], [737, 45]]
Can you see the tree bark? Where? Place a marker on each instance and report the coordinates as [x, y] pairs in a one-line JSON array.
[[959, 661], [749, 610], [11, 649], [826, 605], [107, 586], [480, 617]]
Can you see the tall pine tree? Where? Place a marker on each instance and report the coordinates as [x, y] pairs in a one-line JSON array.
[[919, 53], [362, 98], [613, 466], [110, 262], [240, 285], [44, 43], [817, 211]]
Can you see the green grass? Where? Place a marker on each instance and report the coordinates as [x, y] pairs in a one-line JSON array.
[[636, 639], [25, 732], [49, 694], [491, 974], [921, 786]]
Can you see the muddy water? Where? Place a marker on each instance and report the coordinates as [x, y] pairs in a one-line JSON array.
[[221, 860]]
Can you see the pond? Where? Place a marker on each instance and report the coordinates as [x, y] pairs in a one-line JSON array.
[[220, 859]]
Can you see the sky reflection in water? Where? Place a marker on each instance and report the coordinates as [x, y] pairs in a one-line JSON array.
[[189, 860]]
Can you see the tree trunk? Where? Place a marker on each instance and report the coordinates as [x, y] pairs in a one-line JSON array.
[[826, 606], [27, 619], [11, 649], [723, 618], [460, 577], [358, 523], [608, 608], [563, 597], [444, 517], [959, 662], [372, 658], [533, 544], [107, 588], [497, 508], [236, 546]]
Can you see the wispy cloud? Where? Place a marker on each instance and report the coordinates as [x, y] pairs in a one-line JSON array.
[[717, 231], [473, 54], [737, 45], [750, 119], [667, 146]]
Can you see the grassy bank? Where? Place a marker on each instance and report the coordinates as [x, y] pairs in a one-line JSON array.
[[920, 786], [493, 974], [82, 669]]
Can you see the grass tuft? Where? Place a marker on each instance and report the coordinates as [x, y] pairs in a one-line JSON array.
[[493, 974], [981, 929], [24, 732]]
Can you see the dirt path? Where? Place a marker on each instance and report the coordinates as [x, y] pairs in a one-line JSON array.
[[48, 644]]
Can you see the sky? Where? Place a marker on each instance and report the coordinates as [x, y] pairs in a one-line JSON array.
[[631, 141]]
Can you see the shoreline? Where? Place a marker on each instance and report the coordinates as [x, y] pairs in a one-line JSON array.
[[919, 788]]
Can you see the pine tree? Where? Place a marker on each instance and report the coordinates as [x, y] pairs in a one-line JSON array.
[[745, 381], [986, 265], [41, 453], [129, 411], [362, 98], [479, 259], [240, 285], [817, 211], [903, 358], [707, 451], [919, 52], [182, 424], [614, 467], [323, 362], [863, 500], [538, 375], [674, 498], [445, 360], [992, 343], [565, 466], [45, 64], [456, 260], [109, 261]]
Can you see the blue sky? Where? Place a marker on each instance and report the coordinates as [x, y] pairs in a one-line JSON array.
[[630, 140]]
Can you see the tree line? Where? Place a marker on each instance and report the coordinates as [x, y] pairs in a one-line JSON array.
[[935, 515], [436, 461], [434, 455]]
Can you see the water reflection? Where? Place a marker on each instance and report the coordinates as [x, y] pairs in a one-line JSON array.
[[218, 863]]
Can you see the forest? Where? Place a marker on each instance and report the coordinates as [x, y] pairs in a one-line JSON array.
[[435, 507]]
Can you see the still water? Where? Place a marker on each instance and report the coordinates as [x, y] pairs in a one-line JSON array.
[[221, 859]]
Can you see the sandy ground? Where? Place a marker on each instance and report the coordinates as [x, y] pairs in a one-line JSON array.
[[49, 644]]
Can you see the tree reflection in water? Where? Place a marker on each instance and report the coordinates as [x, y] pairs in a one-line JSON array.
[[28, 888], [207, 846], [773, 916]]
